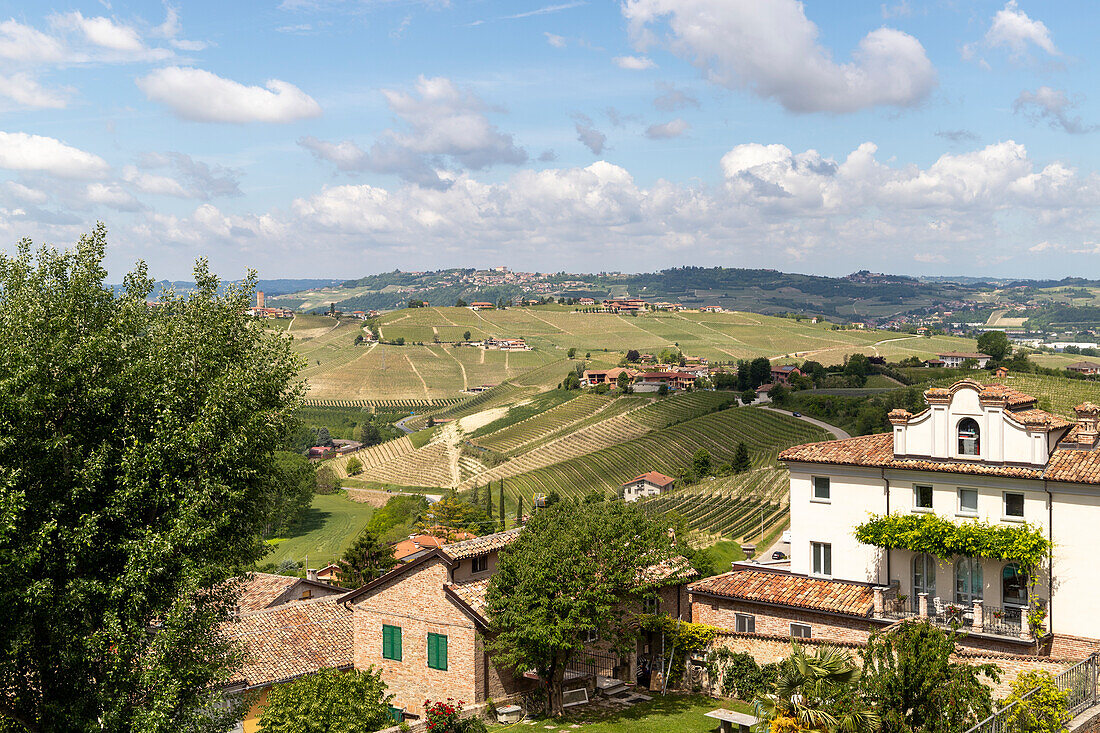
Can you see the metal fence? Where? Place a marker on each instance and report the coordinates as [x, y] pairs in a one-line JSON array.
[[1079, 683], [591, 664]]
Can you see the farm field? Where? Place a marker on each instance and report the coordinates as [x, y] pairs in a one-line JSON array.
[[1056, 394], [337, 369], [331, 524]]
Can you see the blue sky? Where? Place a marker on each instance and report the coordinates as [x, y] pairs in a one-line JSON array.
[[340, 137]]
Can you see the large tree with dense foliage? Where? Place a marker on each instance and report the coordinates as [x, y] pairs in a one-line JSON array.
[[290, 493], [909, 674], [539, 615], [331, 701], [366, 559], [995, 344], [136, 453]]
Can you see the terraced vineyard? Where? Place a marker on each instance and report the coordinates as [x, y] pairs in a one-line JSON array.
[[539, 426], [1057, 394], [500, 395], [729, 507], [436, 464], [375, 455], [386, 405], [669, 451], [679, 407]]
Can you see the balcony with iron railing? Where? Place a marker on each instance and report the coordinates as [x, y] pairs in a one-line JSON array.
[[1009, 622]]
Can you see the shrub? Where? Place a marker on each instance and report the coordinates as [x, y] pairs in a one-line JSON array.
[[1043, 711], [354, 466]]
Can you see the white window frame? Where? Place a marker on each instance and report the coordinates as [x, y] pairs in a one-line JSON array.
[[828, 490], [1005, 516], [807, 627], [960, 510], [916, 497], [744, 619], [826, 547]]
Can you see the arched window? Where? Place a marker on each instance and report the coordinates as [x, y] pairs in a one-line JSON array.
[[968, 580], [924, 577], [1013, 585], [969, 438]]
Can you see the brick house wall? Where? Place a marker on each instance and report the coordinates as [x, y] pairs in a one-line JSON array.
[[767, 649], [416, 603]]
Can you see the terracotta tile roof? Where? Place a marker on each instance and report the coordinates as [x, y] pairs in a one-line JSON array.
[[481, 545], [1039, 418], [262, 589], [472, 594], [1013, 397], [864, 450], [1074, 466], [288, 641], [658, 479], [421, 542], [788, 589]]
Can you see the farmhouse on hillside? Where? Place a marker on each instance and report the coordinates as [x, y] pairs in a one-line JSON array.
[[1084, 367], [782, 373], [977, 454], [955, 359], [651, 381], [481, 306], [650, 483]]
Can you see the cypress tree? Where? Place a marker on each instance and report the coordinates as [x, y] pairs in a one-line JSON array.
[[502, 505], [475, 497], [489, 500], [519, 511]]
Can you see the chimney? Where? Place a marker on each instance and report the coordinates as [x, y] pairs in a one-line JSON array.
[[311, 574], [1088, 415], [259, 299]]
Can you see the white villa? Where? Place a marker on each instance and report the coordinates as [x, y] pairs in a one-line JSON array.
[[976, 453]]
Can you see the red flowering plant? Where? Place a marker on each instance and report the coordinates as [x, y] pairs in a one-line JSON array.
[[442, 716]]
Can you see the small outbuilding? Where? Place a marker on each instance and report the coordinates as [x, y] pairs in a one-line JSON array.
[[648, 484]]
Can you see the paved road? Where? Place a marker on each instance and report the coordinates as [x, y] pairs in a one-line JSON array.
[[401, 424], [837, 432]]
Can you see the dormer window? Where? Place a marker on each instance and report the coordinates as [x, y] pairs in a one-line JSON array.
[[969, 438]]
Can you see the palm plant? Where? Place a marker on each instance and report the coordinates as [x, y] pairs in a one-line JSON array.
[[816, 692]]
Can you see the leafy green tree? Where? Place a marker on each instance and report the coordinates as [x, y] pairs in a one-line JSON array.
[[623, 382], [291, 492], [662, 390], [915, 686], [358, 339], [519, 511], [367, 558], [700, 462], [136, 462], [748, 396], [398, 517], [354, 466], [760, 371], [857, 366], [465, 335], [744, 376], [995, 343], [323, 437], [1044, 710], [330, 701], [475, 495], [326, 480], [779, 394], [817, 691], [571, 381], [741, 460], [633, 356], [539, 615], [571, 353], [460, 303]]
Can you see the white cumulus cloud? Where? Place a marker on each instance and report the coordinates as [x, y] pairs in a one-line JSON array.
[[773, 50], [634, 63], [25, 91], [675, 128], [22, 152], [1013, 29], [201, 96]]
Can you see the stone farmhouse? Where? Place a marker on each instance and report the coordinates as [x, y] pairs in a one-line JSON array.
[[978, 453], [648, 484]]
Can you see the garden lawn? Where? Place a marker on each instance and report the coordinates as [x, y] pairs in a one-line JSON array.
[[723, 553], [664, 713], [329, 526]]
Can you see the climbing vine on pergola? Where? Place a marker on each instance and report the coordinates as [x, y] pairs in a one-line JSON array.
[[1023, 544]]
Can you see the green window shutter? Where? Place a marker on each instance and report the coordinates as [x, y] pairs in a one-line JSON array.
[[437, 651], [391, 642]]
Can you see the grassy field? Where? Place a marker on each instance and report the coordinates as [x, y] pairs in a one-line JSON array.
[[338, 369], [331, 524], [680, 713]]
